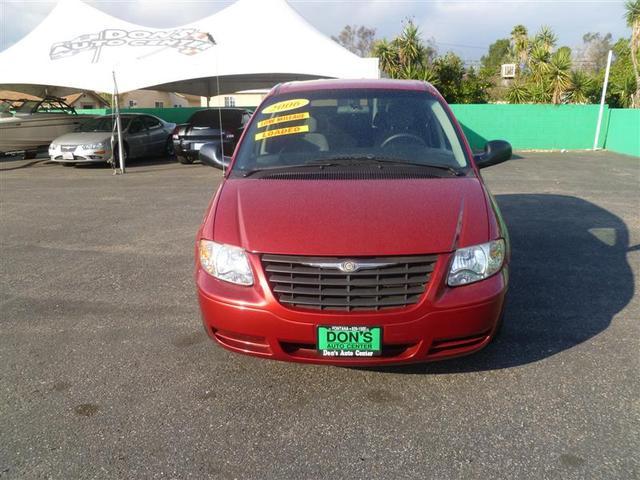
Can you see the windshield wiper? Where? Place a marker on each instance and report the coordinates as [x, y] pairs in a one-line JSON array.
[[246, 173], [345, 159], [393, 161]]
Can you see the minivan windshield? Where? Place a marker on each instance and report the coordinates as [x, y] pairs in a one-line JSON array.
[[348, 126]]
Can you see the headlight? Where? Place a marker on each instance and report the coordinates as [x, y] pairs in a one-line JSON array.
[[93, 146], [472, 264], [225, 262]]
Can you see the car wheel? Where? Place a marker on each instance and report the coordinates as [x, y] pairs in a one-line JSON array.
[[30, 154], [169, 151], [116, 154]]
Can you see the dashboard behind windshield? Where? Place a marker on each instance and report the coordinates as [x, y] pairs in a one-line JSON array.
[[293, 129]]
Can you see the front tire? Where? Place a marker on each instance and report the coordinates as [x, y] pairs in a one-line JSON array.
[[116, 155], [169, 150], [185, 160]]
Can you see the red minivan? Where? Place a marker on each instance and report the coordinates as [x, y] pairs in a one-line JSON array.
[[353, 228]]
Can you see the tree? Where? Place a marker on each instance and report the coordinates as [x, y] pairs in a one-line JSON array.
[[357, 39], [475, 88], [518, 92], [388, 57], [580, 87], [558, 75], [545, 38], [449, 71], [520, 45], [595, 48], [497, 55], [633, 20], [622, 79], [407, 55]]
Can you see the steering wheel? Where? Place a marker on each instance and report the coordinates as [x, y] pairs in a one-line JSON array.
[[397, 136]]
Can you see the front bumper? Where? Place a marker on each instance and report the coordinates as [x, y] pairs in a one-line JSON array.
[[80, 155], [447, 322]]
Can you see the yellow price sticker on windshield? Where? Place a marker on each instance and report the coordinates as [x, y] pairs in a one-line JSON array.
[[286, 105], [284, 118], [282, 131]]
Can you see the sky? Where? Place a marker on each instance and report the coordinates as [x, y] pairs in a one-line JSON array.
[[465, 27]]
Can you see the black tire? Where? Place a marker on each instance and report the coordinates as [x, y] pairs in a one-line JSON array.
[[116, 154], [30, 154], [185, 160], [169, 150]]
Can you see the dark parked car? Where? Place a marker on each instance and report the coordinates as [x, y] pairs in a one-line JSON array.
[[204, 127]]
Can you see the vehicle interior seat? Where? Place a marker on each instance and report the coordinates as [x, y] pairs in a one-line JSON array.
[[399, 118], [335, 135], [311, 141]]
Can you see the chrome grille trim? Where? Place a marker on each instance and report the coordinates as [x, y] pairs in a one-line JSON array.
[[377, 284]]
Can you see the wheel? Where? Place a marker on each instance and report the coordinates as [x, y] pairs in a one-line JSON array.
[[185, 160], [116, 154], [30, 154], [169, 151]]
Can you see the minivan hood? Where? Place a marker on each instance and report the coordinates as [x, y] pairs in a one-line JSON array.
[[351, 217]]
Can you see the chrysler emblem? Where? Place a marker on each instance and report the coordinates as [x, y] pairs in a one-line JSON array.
[[349, 266]]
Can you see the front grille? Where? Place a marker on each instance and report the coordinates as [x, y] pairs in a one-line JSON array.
[[68, 148], [301, 282]]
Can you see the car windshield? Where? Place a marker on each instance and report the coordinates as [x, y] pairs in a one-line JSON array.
[[351, 125], [103, 124]]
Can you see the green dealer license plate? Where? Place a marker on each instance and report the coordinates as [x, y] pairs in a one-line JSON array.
[[349, 341]]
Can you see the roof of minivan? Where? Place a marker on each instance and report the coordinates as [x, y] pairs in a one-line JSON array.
[[335, 84]]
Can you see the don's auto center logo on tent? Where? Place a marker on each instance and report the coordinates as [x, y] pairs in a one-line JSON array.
[[187, 41]]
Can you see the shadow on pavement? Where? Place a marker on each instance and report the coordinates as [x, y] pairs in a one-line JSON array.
[[569, 277]]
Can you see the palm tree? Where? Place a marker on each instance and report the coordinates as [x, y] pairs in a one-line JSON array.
[[388, 57], [539, 62], [520, 44], [540, 92], [518, 92], [579, 86], [410, 46], [559, 75], [546, 38], [633, 21]]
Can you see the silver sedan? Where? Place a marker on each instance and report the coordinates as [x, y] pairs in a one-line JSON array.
[[142, 135]]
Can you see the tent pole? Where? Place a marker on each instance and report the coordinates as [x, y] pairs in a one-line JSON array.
[[119, 125], [604, 94]]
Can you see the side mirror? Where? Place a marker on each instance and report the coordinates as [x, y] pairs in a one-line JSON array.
[[495, 151], [211, 154]]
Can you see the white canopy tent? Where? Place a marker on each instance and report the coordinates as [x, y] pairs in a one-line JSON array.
[[250, 44]]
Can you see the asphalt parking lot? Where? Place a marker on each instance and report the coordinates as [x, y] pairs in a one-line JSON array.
[[106, 372]]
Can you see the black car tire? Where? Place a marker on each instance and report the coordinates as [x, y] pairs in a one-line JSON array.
[[116, 154], [169, 149], [185, 160]]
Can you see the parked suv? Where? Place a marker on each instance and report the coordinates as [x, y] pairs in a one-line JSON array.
[[353, 228], [204, 127]]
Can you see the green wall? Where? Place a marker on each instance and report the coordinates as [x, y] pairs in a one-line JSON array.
[[623, 131], [531, 127], [526, 127]]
